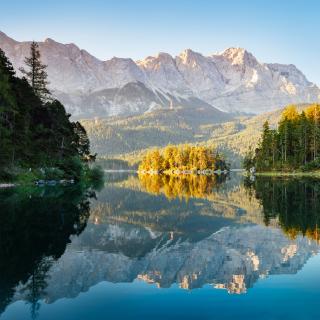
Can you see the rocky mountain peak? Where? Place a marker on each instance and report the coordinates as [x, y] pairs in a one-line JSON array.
[[164, 56], [50, 41], [231, 81], [239, 56], [4, 39], [188, 56], [160, 58]]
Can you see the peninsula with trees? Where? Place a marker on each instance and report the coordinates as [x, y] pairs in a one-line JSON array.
[[291, 147], [37, 138]]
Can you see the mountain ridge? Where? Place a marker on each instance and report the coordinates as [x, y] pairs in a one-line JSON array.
[[231, 81]]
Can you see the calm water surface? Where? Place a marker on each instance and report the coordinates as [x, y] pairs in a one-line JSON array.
[[162, 248]]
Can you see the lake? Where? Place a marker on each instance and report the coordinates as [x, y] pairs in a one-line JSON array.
[[162, 247]]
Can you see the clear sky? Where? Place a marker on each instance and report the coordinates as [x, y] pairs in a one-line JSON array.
[[284, 31]]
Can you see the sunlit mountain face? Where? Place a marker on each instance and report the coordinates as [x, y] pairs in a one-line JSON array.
[[196, 232], [230, 81]]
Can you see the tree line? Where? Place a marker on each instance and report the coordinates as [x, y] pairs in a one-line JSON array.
[[294, 144], [35, 130], [182, 157]]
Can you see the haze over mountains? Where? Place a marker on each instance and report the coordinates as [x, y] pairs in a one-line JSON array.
[[231, 81]]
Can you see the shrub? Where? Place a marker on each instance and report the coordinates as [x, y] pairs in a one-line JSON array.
[[95, 177], [312, 165]]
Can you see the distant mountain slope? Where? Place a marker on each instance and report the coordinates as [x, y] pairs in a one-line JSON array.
[[232, 81], [117, 135], [129, 137]]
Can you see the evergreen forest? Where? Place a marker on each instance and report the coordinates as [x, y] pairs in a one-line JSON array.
[[293, 145], [37, 138]]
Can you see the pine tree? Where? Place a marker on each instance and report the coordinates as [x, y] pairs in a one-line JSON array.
[[7, 110], [82, 141], [313, 114], [266, 154], [36, 75], [295, 144], [5, 65], [249, 160], [304, 133]]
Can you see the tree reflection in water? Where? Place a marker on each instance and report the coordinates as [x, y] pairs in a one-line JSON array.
[[218, 236], [182, 186], [35, 227], [294, 203]]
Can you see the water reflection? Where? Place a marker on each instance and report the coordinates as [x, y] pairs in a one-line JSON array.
[[191, 231], [182, 186], [35, 226], [293, 203]]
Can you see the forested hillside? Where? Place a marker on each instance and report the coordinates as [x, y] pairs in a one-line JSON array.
[[35, 131], [130, 137]]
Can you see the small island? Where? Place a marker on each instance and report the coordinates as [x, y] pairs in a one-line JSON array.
[[293, 148], [183, 159]]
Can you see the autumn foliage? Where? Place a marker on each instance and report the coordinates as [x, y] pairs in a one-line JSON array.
[[182, 157], [181, 186]]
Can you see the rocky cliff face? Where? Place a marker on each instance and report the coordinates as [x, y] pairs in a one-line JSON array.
[[232, 81]]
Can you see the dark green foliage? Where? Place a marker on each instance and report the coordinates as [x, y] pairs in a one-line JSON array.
[[248, 160], [34, 133], [312, 165], [94, 177], [36, 73], [293, 202], [82, 142], [294, 145], [35, 227]]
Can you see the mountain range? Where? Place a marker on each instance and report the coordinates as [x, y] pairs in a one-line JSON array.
[[232, 81]]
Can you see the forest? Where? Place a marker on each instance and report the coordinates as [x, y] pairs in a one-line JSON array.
[[182, 158], [293, 145], [37, 138]]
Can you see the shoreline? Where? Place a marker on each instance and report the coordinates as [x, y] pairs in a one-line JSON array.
[[314, 174], [168, 172], [7, 185], [183, 172]]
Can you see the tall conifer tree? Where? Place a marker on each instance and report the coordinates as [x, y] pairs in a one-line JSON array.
[[36, 73]]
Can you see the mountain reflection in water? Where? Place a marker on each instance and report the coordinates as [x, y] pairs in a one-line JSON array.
[[224, 231]]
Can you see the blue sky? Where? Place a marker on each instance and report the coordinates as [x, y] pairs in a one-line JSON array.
[[274, 31]]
